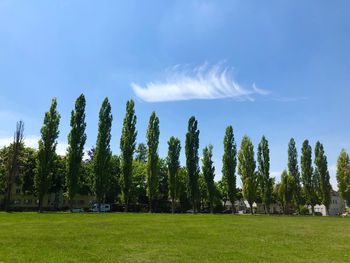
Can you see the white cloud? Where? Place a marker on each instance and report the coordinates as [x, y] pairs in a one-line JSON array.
[[32, 141], [202, 82]]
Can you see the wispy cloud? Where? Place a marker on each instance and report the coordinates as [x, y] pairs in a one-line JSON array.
[[202, 82]]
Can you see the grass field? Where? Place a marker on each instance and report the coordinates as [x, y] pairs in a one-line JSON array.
[[60, 237]]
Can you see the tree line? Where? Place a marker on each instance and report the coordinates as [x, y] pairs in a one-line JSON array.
[[139, 175]]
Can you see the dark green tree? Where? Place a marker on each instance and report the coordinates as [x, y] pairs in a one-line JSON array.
[[113, 187], [321, 170], [102, 154], [174, 149], [152, 160], [14, 162], [286, 190], [208, 170], [127, 147], [138, 191], [47, 151], [75, 151], [229, 163], [29, 170], [141, 153], [343, 175], [246, 169], [308, 176], [293, 170], [56, 180], [266, 183], [192, 159]]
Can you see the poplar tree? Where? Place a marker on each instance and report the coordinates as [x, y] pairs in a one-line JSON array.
[[102, 154], [47, 151], [152, 160], [308, 176], [293, 170], [173, 162], [13, 162], [208, 170], [75, 152], [127, 147], [343, 175], [321, 169], [229, 163], [192, 166], [246, 169], [266, 182]]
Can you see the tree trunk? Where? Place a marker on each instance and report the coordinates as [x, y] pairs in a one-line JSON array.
[[40, 205], [211, 207], [232, 208], [172, 206], [313, 210], [251, 208]]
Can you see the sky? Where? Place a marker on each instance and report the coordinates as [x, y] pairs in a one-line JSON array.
[[277, 68]]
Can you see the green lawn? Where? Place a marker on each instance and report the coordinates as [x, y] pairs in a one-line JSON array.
[[61, 237]]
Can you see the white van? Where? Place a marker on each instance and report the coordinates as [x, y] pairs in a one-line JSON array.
[[103, 208]]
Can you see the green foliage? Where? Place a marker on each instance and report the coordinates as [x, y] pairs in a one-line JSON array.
[[113, 187], [173, 162], [76, 142], [286, 190], [141, 153], [293, 170], [182, 189], [343, 175], [152, 160], [191, 150], [321, 170], [138, 191], [208, 170], [265, 182], [47, 151], [127, 147], [229, 163], [308, 175], [102, 155], [29, 170], [246, 169], [163, 182]]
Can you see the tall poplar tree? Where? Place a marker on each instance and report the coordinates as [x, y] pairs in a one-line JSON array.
[[13, 162], [208, 170], [229, 163], [152, 159], [246, 169], [173, 162], [76, 142], [308, 176], [47, 151], [266, 183], [343, 175], [293, 170], [192, 159], [321, 169], [102, 154], [127, 147]]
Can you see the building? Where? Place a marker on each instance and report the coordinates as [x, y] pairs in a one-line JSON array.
[[336, 207], [29, 202]]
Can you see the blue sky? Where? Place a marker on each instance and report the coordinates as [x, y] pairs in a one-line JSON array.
[[277, 68]]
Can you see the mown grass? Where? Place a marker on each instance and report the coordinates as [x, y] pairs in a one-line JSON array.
[[62, 237]]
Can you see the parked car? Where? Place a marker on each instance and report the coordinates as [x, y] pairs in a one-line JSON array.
[[103, 208]]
